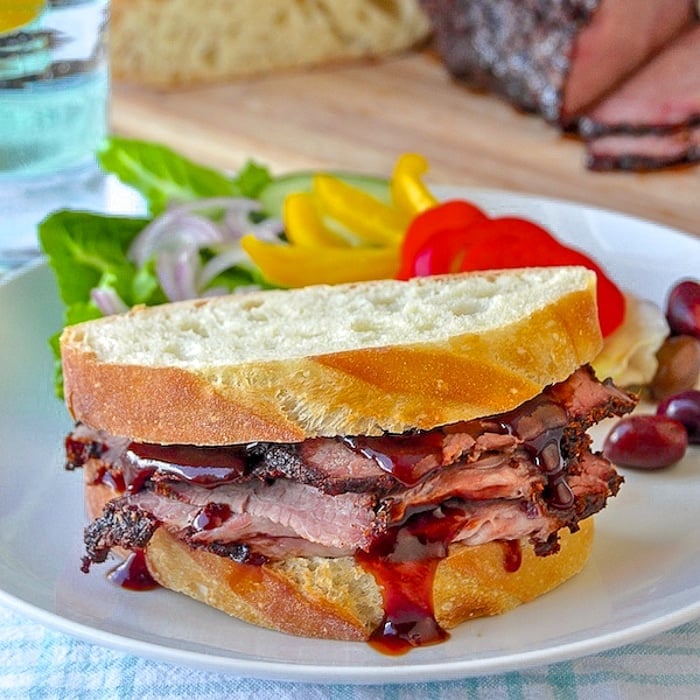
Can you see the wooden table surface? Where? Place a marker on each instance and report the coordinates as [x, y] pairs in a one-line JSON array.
[[362, 116]]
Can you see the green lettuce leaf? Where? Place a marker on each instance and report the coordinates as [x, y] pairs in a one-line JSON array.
[[163, 176], [88, 250]]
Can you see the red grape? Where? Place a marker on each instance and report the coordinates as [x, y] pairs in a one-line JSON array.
[[646, 442], [683, 308], [685, 408]]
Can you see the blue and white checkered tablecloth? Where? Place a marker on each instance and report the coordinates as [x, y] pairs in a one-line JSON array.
[[36, 662]]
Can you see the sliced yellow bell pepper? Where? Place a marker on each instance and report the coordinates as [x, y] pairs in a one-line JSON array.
[[371, 220], [303, 225], [338, 232], [408, 191], [297, 266]]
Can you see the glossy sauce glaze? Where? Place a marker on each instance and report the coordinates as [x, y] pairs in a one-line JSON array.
[[406, 457], [133, 574], [404, 561]]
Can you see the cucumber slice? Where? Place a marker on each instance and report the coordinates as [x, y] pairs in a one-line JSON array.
[[273, 195]]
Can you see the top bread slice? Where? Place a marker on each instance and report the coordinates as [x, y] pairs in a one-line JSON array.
[[352, 359], [170, 43]]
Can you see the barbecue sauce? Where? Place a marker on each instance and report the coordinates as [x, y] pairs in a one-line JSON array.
[[403, 561], [133, 574], [406, 457], [205, 466], [409, 619], [544, 445], [210, 516], [512, 555]]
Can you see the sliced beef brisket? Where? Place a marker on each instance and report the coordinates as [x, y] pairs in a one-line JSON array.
[[644, 151], [527, 473], [653, 119], [555, 57]]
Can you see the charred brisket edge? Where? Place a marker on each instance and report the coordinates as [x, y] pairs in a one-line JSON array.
[[638, 163], [590, 128], [524, 86], [120, 525]]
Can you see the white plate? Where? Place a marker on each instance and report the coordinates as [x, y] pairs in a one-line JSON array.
[[643, 577]]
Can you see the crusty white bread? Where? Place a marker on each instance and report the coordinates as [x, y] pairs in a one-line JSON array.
[[167, 43], [356, 359], [337, 598]]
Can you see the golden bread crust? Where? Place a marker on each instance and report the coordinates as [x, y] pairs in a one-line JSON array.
[[295, 596], [361, 391]]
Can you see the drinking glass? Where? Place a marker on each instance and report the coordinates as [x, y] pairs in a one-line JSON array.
[[54, 90]]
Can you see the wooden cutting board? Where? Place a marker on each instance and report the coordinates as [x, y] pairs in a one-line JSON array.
[[360, 117]]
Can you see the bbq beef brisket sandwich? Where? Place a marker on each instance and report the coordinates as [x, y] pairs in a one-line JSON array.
[[379, 460]]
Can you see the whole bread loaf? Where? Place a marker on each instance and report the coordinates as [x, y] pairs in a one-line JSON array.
[[165, 43]]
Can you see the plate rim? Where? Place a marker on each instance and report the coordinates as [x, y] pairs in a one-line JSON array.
[[420, 671]]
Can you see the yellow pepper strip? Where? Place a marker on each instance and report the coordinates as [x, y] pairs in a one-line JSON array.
[[408, 192], [303, 225], [371, 220], [297, 266]]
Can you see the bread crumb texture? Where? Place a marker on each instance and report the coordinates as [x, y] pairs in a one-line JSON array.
[[320, 320]]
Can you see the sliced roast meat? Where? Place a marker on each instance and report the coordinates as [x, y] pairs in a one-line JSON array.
[[555, 57], [363, 464], [644, 151], [662, 96], [653, 119], [587, 400], [621, 37], [261, 548], [343, 521], [494, 520], [525, 473], [499, 476]]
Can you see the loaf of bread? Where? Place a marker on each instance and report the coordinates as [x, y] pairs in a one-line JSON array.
[[353, 359], [166, 43]]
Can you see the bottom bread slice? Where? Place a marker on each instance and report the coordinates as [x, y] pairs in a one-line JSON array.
[[339, 599]]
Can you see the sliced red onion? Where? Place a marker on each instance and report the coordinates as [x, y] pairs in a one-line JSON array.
[[108, 301], [236, 222], [176, 237], [177, 270], [170, 227], [226, 259]]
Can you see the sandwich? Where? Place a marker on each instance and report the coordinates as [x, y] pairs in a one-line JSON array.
[[376, 461]]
